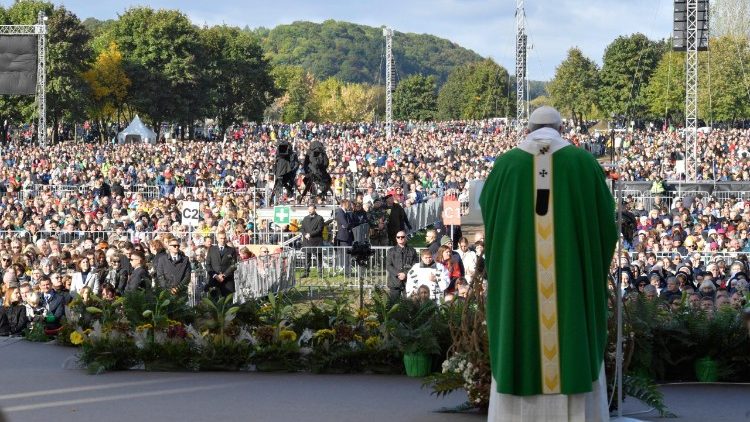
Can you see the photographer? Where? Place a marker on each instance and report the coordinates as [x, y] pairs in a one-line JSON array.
[[398, 260]]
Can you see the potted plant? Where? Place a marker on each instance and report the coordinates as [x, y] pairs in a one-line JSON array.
[[418, 344]]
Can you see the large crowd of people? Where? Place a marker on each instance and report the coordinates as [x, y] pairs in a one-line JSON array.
[[653, 155], [94, 218]]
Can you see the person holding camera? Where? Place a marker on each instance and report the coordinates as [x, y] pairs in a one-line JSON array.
[[398, 260]]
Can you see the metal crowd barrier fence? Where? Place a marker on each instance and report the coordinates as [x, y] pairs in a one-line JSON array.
[[424, 214], [264, 274], [332, 266], [706, 257]]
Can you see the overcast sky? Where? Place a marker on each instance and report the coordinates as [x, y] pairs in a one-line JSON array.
[[485, 26]]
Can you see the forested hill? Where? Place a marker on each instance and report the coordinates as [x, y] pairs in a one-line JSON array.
[[355, 53]]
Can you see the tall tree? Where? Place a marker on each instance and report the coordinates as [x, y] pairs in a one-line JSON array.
[[665, 93], [337, 101], [108, 84], [239, 79], [68, 56], [627, 67], [725, 95], [297, 85], [475, 91], [574, 88], [415, 99], [159, 50], [730, 17]]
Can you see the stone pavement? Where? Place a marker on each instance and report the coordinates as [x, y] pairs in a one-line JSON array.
[[40, 383]]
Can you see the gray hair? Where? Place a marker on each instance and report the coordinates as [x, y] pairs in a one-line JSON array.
[[649, 289], [709, 284]]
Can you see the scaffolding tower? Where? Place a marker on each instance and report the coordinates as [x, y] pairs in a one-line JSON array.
[[40, 30], [522, 110], [388, 34]]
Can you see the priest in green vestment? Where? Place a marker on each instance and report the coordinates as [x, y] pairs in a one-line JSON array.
[[550, 236]]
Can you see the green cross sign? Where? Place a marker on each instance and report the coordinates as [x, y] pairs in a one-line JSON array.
[[281, 215]]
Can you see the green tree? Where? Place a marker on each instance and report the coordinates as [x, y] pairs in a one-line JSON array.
[[727, 98], [665, 93], [627, 67], [475, 91], [159, 50], [353, 53], [573, 90], [238, 76], [415, 99], [452, 95], [297, 87], [68, 56]]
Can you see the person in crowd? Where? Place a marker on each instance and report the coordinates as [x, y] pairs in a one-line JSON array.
[[312, 232], [377, 219], [432, 242], [397, 219], [344, 235], [13, 320], [114, 274], [398, 261], [109, 293], [174, 269], [140, 278], [672, 290], [423, 294], [468, 257], [429, 273], [452, 264], [84, 277], [53, 303], [58, 283], [220, 265]]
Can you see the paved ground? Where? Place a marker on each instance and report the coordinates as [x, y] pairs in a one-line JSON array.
[[36, 386], [39, 382]]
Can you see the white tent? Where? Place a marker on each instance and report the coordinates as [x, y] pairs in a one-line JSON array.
[[136, 132]]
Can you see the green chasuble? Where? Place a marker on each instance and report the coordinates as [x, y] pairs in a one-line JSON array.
[[547, 302]]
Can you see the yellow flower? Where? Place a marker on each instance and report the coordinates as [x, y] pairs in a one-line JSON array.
[[363, 313], [371, 325], [144, 327], [324, 333], [76, 338], [287, 335], [372, 342], [358, 338]]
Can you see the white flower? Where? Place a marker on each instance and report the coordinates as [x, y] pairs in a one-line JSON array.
[[140, 337], [305, 337], [196, 336], [96, 331], [246, 336]]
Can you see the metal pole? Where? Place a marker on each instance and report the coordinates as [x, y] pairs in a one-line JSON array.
[[388, 34], [41, 78], [521, 83]]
